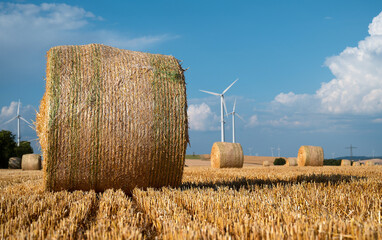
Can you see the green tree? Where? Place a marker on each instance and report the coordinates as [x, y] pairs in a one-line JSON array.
[[24, 148], [7, 147], [279, 161]]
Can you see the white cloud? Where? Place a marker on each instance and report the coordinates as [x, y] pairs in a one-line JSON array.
[[377, 120], [286, 121], [253, 121], [55, 24], [357, 86], [201, 118], [8, 111]]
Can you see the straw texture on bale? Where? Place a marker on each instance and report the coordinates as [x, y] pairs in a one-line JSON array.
[[291, 162], [310, 156], [345, 162], [227, 155], [14, 163], [266, 164], [112, 118], [31, 162], [356, 164]]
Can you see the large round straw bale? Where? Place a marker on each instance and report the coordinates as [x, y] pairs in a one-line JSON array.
[[356, 164], [345, 162], [14, 163], [369, 163], [291, 162], [266, 164], [112, 118], [227, 155], [310, 156], [31, 162]]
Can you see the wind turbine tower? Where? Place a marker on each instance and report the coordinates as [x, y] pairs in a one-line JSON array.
[[18, 117], [222, 105], [272, 150], [233, 113]]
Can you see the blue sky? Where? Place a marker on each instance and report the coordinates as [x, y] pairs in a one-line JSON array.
[[309, 71]]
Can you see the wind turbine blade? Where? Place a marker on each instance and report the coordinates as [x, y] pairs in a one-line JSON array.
[[229, 86], [234, 106], [18, 108], [9, 121], [25, 120], [225, 107], [242, 119], [229, 114], [216, 94]]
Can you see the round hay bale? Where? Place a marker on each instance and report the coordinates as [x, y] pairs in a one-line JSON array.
[[14, 163], [31, 162], [355, 164], [112, 118], [205, 156], [266, 164], [369, 163], [227, 155], [345, 162], [310, 156], [291, 162]]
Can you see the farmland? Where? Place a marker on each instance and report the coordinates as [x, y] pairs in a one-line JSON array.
[[248, 203]]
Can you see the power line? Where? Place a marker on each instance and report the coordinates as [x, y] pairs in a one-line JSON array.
[[351, 150]]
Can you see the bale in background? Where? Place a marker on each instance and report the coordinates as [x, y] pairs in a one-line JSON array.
[[205, 156], [14, 163], [310, 156], [112, 118], [356, 164], [227, 155], [345, 162], [31, 162], [369, 163], [266, 164], [291, 162]]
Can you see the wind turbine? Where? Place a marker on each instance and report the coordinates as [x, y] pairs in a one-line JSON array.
[[222, 105], [18, 117], [233, 113]]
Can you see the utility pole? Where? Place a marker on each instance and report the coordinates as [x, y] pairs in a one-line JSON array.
[[278, 149], [351, 151]]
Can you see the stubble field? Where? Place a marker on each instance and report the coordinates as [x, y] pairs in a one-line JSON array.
[[248, 203]]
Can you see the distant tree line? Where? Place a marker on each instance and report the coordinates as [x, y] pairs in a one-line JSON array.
[[9, 148]]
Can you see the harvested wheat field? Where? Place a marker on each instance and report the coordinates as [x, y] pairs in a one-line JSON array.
[[247, 203]]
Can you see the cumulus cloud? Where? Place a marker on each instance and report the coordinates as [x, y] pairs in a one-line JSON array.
[[357, 86], [201, 118], [8, 112], [52, 22], [253, 121]]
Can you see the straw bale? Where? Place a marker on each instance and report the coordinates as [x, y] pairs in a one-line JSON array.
[[112, 118], [369, 163], [266, 163], [227, 155], [356, 164], [310, 156], [14, 163], [291, 162], [205, 156], [345, 162], [31, 162]]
